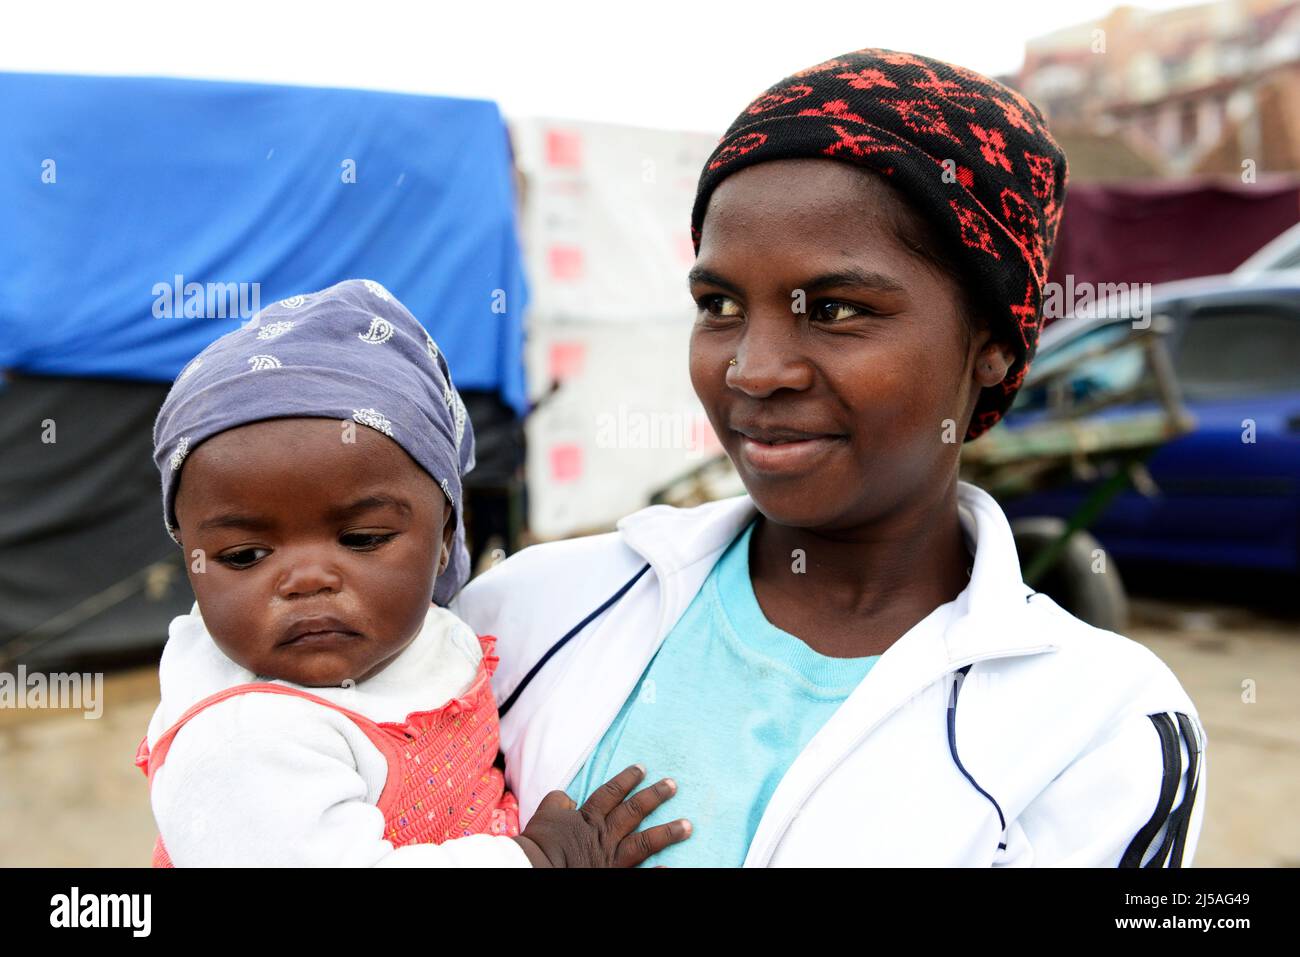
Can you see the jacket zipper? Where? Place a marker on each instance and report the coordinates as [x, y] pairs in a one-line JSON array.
[[785, 824], [591, 745]]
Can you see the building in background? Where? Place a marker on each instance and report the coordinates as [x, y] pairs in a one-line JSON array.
[[1197, 89]]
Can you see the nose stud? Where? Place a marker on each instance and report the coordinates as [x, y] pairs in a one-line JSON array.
[[731, 362]]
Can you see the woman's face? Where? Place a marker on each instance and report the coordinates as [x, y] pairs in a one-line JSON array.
[[305, 525], [853, 381]]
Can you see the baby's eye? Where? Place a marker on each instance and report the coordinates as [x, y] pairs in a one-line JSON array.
[[243, 558], [717, 304], [364, 541], [832, 311]]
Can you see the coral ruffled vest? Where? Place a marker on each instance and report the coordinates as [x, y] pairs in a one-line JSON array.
[[442, 780]]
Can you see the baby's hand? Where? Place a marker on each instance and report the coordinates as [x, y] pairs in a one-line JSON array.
[[601, 833]]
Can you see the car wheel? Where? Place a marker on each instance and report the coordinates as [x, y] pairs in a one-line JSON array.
[[1084, 580]]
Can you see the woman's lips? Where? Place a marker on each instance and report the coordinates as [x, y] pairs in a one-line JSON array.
[[785, 456]]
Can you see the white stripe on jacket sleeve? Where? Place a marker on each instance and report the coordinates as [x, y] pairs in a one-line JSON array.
[[1134, 799]]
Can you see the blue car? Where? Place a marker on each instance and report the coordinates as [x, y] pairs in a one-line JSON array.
[[1228, 491]]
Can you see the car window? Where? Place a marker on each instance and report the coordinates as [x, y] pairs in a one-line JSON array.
[[1114, 371], [1239, 351]]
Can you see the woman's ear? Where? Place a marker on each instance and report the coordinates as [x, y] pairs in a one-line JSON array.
[[992, 362]]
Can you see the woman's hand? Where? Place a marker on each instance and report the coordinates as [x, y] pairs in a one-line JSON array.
[[601, 833]]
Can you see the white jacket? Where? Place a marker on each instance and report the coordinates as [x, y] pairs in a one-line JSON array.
[[1063, 744]]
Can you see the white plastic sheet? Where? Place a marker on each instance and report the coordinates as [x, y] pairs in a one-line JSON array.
[[606, 231]]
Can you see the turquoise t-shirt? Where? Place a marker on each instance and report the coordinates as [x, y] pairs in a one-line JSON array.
[[723, 708]]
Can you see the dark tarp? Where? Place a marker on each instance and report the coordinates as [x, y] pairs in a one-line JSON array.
[[85, 565], [1156, 231]]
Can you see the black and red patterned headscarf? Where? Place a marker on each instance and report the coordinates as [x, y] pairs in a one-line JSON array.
[[972, 155]]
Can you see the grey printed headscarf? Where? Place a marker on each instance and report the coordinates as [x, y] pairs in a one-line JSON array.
[[351, 351]]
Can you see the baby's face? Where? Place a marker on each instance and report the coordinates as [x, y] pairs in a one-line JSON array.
[[319, 555]]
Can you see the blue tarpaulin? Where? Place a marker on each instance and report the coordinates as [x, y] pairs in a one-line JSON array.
[[117, 192]]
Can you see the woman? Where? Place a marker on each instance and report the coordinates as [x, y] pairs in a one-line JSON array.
[[843, 667]]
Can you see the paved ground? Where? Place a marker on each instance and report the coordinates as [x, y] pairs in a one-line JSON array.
[[70, 795], [1253, 770]]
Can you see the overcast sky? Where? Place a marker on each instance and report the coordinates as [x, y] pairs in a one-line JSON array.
[[665, 63]]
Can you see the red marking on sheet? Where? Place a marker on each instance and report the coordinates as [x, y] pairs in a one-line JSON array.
[[566, 462], [564, 149], [565, 262], [566, 360]]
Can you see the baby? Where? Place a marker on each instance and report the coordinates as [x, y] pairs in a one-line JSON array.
[[317, 708]]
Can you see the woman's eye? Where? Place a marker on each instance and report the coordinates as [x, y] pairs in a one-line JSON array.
[[719, 305], [364, 541], [832, 310], [242, 558]]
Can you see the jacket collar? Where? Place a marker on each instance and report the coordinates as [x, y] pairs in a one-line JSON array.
[[990, 618]]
